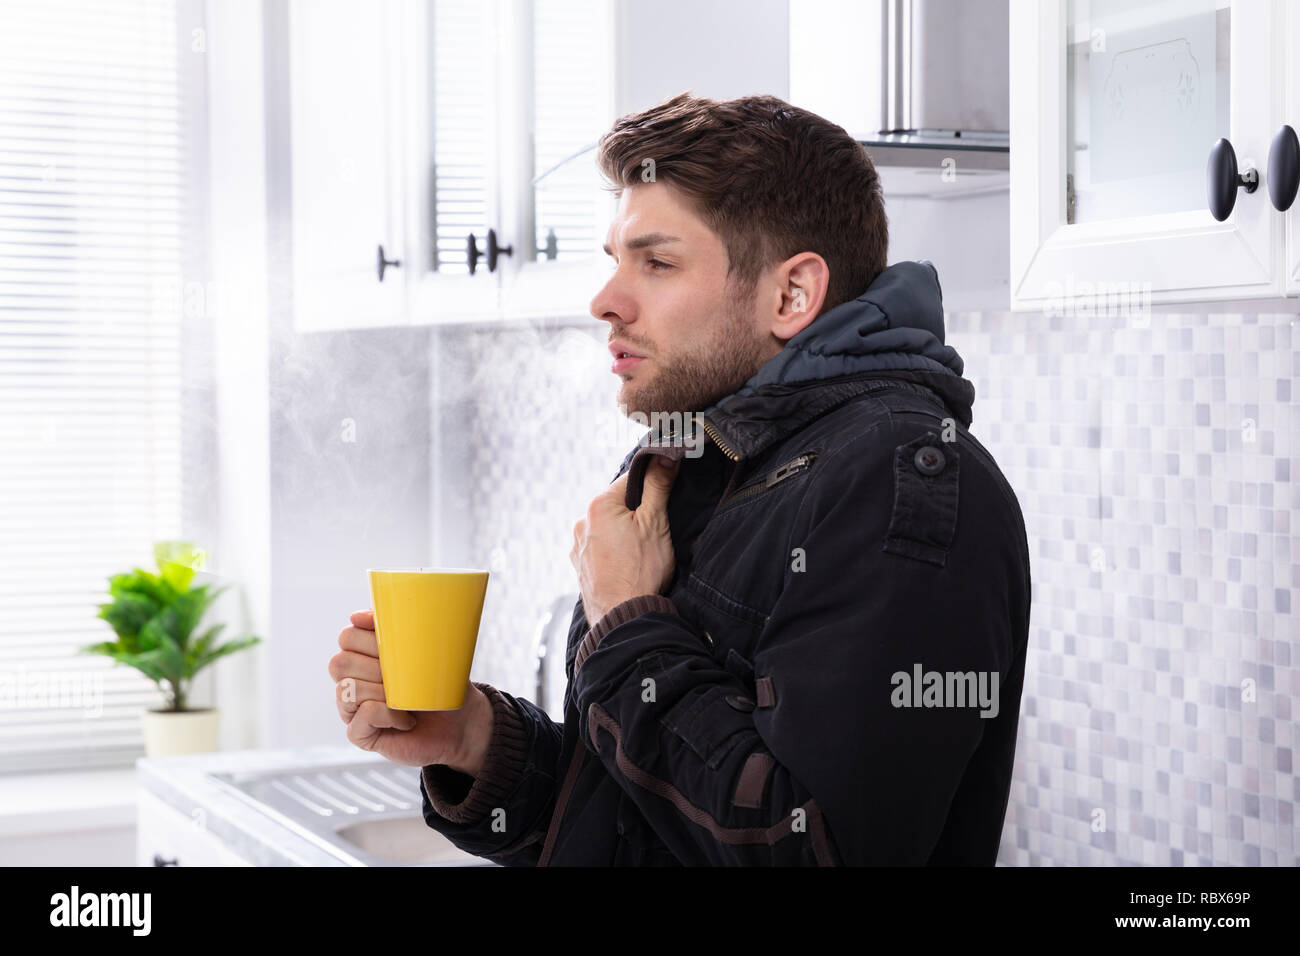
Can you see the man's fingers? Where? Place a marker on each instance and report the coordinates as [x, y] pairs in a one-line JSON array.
[[346, 664], [359, 639], [659, 482], [374, 715], [351, 692], [364, 619]]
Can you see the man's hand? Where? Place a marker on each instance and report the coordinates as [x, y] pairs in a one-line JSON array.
[[621, 554], [457, 738]]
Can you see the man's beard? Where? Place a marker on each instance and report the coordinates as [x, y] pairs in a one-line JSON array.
[[710, 369]]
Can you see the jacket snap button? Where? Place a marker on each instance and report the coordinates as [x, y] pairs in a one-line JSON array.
[[929, 460], [743, 704]]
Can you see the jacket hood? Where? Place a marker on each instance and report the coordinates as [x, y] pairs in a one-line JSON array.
[[896, 324], [894, 330]]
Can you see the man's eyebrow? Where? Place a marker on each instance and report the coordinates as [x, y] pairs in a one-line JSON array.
[[641, 242]]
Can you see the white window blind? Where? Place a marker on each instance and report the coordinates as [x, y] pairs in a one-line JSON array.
[[93, 207]]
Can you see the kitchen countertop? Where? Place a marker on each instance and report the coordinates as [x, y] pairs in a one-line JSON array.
[[182, 782]]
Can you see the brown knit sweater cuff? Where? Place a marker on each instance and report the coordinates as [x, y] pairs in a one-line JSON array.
[[461, 798], [620, 614]]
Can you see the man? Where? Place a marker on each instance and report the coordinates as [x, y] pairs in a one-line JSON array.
[[804, 645]]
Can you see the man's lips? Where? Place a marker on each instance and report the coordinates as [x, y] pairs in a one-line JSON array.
[[618, 347], [624, 357], [625, 363]]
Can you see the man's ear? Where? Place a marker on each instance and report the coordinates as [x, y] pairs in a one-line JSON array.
[[801, 284]]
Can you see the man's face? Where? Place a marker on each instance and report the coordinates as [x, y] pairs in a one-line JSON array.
[[668, 304]]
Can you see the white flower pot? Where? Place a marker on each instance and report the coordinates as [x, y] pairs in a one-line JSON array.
[[180, 732]]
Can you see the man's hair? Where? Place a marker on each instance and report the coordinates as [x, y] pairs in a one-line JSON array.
[[770, 179]]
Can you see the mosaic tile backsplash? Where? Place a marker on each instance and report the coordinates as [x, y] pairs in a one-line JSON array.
[[1154, 464]]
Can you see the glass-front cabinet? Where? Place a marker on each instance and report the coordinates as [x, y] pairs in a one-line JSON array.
[[565, 84], [1140, 142]]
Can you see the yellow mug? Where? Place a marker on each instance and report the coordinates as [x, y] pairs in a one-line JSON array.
[[426, 624]]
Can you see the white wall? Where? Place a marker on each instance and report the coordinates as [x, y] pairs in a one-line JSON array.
[[835, 68], [720, 49]]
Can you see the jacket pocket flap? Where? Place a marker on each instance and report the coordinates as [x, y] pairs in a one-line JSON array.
[[707, 723]]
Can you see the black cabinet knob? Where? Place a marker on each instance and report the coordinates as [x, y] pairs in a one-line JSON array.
[[494, 250], [1283, 168], [159, 861], [386, 263], [1222, 180]]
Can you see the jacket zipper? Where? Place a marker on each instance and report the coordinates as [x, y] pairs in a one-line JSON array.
[[792, 467], [717, 440], [784, 471]]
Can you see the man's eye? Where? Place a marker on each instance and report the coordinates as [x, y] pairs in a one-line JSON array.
[[657, 265]]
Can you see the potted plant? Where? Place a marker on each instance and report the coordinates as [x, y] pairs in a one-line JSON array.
[[155, 617]]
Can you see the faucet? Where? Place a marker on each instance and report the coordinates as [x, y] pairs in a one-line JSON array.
[[549, 646]]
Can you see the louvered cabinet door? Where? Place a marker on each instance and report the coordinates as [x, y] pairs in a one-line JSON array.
[[454, 98]]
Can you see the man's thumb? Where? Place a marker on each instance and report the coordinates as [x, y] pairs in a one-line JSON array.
[[659, 478]]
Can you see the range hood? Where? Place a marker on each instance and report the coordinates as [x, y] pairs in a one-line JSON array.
[[945, 107]]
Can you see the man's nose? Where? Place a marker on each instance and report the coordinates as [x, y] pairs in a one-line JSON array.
[[610, 303]]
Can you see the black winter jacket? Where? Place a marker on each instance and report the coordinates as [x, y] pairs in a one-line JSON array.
[[851, 572]]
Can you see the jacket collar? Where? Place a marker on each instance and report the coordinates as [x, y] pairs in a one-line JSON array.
[[893, 332], [743, 427]]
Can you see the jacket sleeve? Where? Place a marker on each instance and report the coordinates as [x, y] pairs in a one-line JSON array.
[[502, 814], [829, 770]]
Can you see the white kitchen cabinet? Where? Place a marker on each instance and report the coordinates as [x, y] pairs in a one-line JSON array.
[[418, 123], [345, 198], [394, 144], [415, 123], [1115, 106], [167, 837]]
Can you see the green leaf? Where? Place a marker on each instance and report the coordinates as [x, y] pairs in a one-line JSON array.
[[152, 635], [178, 560], [146, 663], [129, 613], [183, 616], [171, 658], [200, 647], [235, 644], [108, 648], [141, 581]]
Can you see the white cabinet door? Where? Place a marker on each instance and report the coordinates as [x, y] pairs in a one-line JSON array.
[[453, 100], [345, 125], [562, 82], [1115, 105], [167, 837]]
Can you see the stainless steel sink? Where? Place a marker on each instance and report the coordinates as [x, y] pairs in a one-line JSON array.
[[363, 814]]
